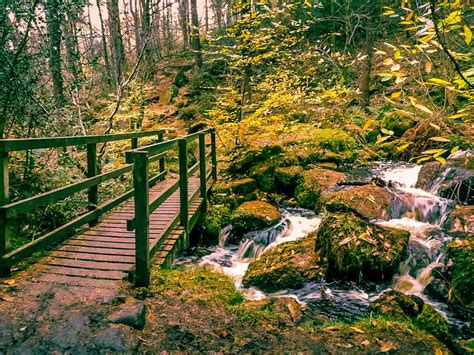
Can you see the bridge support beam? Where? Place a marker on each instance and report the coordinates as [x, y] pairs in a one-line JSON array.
[[183, 187], [142, 242], [4, 199], [92, 170]]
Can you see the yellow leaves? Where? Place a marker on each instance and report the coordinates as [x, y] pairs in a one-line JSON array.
[[440, 139], [456, 4], [435, 126], [397, 54], [403, 147], [9, 282], [388, 61], [439, 82], [357, 330], [453, 18], [419, 106], [427, 38], [395, 95], [395, 67], [458, 115], [428, 66], [467, 35]]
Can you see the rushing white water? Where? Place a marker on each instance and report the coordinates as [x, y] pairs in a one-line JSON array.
[[420, 212]]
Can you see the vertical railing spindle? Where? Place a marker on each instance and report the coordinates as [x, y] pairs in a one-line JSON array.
[[134, 143], [183, 185], [214, 155], [202, 165], [162, 160], [93, 193], [4, 199], [142, 247]]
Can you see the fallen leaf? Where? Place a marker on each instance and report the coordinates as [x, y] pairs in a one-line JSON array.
[[365, 343], [387, 346], [357, 330], [9, 282]]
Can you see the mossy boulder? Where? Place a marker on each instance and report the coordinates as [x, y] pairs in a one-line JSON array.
[[287, 177], [401, 307], [314, 183], [264, 174], [334, 140], [254, 215], [396, 304], [356, 249], [216, 218], [289, 265], [461, 220], [430, 320], [368, 201], [239, 186], [461, 252]]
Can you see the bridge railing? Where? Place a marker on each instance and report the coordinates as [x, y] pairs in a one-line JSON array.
[[9, 209], [141, 158]]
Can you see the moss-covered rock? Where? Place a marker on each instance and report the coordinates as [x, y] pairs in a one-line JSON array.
[[356, 249], [461, 252], [396, 304], [216, 218], [264, 174], [287, 177], [313, 183], [239, 186], [368, 201], [289, 265], [254, 215], [334, 140], [433, 322], [461, 220]]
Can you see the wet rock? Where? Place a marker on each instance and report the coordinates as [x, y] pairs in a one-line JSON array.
[[254, 215], [288, 310], [437, 290], [397, 305], [132, 315], [461, 252], [288, 176], [240, 186], [428, 174], [368, 201], [314, 183], [431, 321], [114, 300], [289, 265], [358, 250], [461, 220]]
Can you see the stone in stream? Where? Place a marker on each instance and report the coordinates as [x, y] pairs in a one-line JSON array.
[[461, 220], [368, 201], [287, 177], [132, 315], [254, 215], [314, 183], [358, 250], [289, 265]]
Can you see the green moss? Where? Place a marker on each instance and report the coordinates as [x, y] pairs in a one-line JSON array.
[[264, 174], [433, 322], [462, 254], [240, 186], [217, 217], [290, 265], [396, 305], [358, 250], [189, 112], [334, 140], [288, 176], [312, 183], [254, 215], [199, 284]]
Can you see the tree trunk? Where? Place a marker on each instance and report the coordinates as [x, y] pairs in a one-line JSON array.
[[184, 21], [72, 47], [53, 19], [136, 26], [118, 51], [195, 40], [108, 70]]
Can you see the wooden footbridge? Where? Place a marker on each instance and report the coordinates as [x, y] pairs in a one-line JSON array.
[[118, 238]]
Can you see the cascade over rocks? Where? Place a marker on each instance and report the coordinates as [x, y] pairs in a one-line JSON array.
[[356, 249], [313, 184], [368, 201], [289, 265], [254, 215]]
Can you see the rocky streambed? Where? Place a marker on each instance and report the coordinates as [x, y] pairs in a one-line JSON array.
[[394, 239]]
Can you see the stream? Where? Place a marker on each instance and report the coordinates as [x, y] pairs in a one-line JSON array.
[[420, 212]]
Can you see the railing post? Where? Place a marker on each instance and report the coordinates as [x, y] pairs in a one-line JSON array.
[[214, 155], [142, 247], [202, 165], [134, 143], [162, 160], [4, 199], [93, 193], [183, 184]]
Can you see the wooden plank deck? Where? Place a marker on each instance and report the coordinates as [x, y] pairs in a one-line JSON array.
[[103, 255]]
